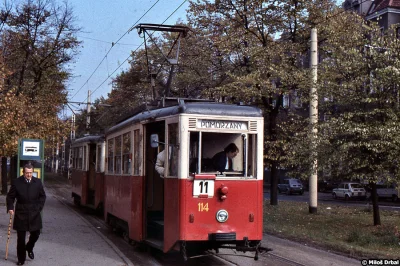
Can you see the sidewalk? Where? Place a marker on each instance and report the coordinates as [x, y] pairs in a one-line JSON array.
[[66, 239]]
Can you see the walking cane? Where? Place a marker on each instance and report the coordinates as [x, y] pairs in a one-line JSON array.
[[9, 233]]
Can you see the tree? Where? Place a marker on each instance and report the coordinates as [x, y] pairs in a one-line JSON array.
[[37, 41], [261, 67], [360, 88]]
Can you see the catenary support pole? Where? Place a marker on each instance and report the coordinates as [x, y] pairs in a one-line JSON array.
[[88, 113], [313, 182]]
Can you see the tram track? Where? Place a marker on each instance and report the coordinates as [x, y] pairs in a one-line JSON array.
[[285, 260], [134, 255], [131, 254], [285, 253]]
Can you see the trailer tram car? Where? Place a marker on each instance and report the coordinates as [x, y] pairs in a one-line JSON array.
[[87, 171], [192, 207]]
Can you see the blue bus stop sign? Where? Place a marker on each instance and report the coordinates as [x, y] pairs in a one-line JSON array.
[[31, 150]]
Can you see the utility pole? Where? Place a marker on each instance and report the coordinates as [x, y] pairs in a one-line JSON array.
[[73, 127], [88, 113], [70, 146], [57, 155], [313, 183], [63, 157], [53, 164]]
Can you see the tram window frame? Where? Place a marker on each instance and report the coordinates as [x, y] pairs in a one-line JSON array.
[[76, 157], [80, 159], [173, 149], [73, 164], [136, 151], [118, 155], [252, 155], [246, 158], [126, 153], [110, 156], [98, 158], [84, 167]]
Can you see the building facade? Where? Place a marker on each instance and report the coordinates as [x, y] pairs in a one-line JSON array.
[[385, 12]]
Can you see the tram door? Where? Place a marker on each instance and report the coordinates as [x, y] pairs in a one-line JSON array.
[[154, 187], [91, 174]]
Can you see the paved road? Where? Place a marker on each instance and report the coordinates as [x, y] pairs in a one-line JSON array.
[[73, 237], [327, 198]]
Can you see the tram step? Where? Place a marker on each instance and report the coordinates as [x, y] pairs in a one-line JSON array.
[[156, 243], [90, 206], [155, 229], [159, 222]]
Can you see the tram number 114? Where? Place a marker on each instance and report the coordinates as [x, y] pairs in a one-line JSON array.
[[203, 187], [202, 207]]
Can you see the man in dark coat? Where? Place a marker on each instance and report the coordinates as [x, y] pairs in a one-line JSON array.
[[30, 196], [222, 161]]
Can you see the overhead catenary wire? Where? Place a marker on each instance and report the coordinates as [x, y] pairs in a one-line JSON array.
[[112, 45], [135, 50]]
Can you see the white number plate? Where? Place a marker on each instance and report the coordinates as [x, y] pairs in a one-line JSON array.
[[203, 187]]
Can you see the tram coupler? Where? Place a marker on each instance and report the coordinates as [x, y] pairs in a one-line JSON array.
[[258, 249], [183, 251]]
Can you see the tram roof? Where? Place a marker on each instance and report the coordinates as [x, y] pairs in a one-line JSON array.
[[90, 138], [200, 108]]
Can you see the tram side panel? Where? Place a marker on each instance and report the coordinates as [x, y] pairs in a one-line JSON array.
[[173, 197], [243, 204], [79, 180], [124, 202]]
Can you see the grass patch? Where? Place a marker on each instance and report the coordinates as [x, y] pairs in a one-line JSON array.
[[342, 229]]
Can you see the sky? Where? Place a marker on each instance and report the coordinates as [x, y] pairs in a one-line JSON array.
[[104, 22]]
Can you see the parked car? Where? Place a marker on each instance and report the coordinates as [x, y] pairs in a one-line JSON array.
[[387, 192], [384, 191], [349, 190], [324, 185], [290, 186], [327, 185]]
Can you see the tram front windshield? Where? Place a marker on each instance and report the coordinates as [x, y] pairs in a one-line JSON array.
[[205, 145]]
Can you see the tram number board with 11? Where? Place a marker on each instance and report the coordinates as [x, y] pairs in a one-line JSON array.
[[203, 188]]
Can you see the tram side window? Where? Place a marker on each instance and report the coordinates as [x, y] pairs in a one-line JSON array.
[[193, 152], [98, 159], [80, 158], [84, 158], [73, 157], [110, 156], [136, 150], [72, 163], [173, 155], [252, 155], [76, 158], [126, 151], [117, 155]]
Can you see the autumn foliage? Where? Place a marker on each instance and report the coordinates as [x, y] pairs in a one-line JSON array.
[[37, 40]]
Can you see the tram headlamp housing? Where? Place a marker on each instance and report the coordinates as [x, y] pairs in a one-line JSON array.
[[222, 216]]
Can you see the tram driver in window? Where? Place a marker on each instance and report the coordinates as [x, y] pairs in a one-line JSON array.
[[222, 161]]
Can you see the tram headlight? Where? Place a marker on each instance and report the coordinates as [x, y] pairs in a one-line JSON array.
[[222, 216]]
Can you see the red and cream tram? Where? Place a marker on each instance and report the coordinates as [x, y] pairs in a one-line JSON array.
[[87, 171], [192, 207]]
